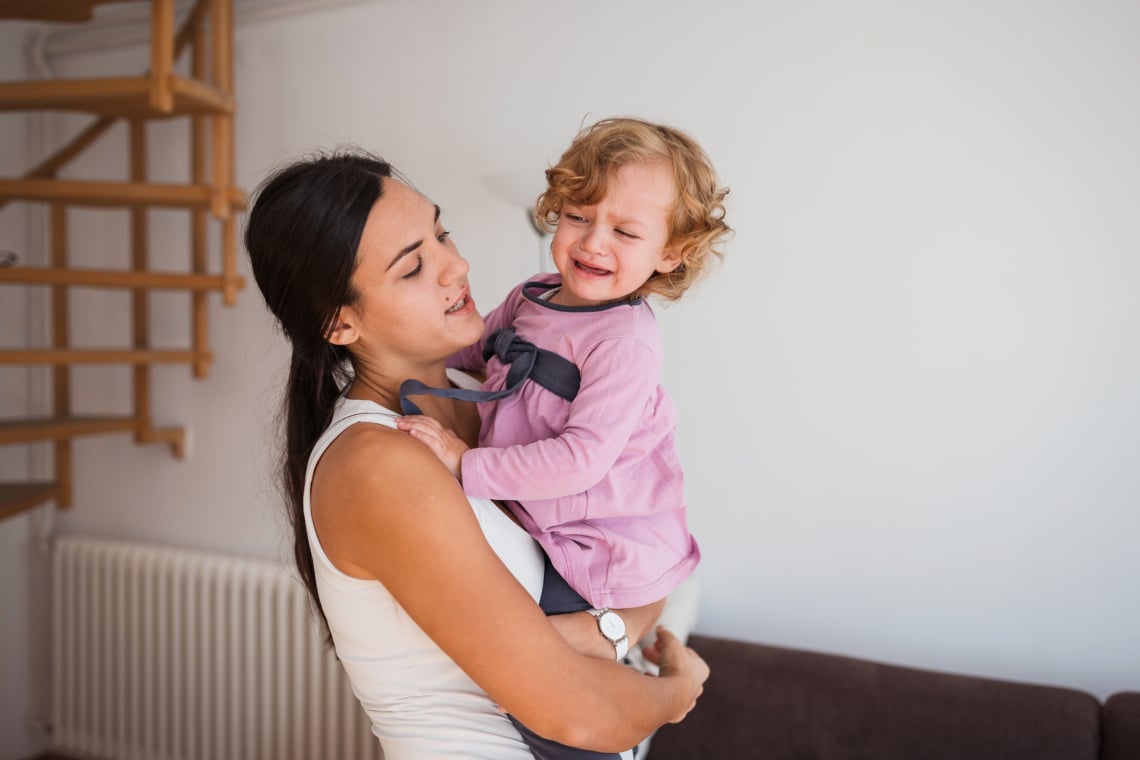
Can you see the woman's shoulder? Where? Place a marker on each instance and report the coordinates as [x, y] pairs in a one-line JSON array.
[[370, 451], [378, 487]]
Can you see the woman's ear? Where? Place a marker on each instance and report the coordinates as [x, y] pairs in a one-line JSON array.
[[343, 330]]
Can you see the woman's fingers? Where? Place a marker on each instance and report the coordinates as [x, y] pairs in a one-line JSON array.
[[677, 660], [653, 652]]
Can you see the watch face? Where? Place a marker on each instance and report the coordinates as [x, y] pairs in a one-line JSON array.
[[611, 626]]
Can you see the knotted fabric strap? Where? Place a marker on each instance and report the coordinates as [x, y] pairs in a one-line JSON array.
[[553, 372]]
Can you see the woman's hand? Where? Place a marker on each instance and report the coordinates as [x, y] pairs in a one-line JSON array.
[[443, 442], [678, 661]]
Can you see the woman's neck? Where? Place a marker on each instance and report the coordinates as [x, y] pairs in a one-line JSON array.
[[366, 388], [459, 416], [380, 382]]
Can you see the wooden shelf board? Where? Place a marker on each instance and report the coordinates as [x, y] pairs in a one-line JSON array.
[[57, 356], [19, 497], [105, 278], [56, 428], [115, 97], [51, 10], [91, 193]]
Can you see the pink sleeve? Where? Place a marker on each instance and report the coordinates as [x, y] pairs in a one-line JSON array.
[[619, 377]]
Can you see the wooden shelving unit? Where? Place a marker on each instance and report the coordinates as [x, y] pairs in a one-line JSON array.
[[124, 97], [51, 10], [205, 97]]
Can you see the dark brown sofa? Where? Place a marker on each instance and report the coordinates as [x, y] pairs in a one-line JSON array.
[[772, 703]]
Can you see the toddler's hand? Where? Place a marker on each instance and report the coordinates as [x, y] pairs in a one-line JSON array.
[[444, 444]]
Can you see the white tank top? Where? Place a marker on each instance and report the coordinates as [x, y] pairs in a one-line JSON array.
[[420, 703]]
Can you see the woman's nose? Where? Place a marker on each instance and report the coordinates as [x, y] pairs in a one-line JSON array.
[[454, 267]]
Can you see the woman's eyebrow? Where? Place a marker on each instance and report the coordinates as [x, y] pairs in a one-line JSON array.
[[413, 246]]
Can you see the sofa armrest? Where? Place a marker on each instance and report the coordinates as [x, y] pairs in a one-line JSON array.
[[1120, 724], [777, 703]]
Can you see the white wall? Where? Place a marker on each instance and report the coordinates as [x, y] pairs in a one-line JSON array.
[[910, 418]]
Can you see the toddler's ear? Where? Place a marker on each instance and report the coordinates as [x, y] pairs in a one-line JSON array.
[[670, 260], [343, 330]]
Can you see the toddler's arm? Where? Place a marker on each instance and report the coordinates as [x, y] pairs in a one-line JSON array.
[[619, 380]]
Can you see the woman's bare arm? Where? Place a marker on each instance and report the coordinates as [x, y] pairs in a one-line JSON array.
[[386, 508], [580, 629]]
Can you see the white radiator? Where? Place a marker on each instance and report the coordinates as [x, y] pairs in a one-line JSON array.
[[170, 654]]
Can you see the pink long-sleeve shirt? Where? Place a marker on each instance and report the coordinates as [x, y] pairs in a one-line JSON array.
[[599, 479]]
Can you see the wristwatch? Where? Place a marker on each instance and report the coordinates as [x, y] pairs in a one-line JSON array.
[[612, 628]]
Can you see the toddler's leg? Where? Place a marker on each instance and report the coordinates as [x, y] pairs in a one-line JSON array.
[[557, 596]]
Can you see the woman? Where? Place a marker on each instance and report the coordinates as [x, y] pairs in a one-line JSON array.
[[430, 598]]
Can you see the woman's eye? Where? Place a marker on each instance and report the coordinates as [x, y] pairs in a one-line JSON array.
[[443, 235], [416, 271]]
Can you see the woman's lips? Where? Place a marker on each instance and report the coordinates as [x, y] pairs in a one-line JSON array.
[[462, 304]]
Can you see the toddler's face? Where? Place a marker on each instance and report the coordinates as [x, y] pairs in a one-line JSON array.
[[607, 251]]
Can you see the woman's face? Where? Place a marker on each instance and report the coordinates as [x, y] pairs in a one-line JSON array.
[[414, 303]]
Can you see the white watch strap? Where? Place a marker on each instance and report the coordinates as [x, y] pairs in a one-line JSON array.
[[621, 646]]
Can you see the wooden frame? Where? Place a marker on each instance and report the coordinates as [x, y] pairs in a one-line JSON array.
[[206, 97]]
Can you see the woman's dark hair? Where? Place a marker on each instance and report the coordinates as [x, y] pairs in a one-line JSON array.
[[302, 234]]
